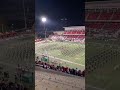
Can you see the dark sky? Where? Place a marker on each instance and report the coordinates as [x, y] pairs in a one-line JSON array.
[[11, 12], [55, 10], [96, 0]]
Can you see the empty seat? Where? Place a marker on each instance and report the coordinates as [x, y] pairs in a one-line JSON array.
[[105, 16]]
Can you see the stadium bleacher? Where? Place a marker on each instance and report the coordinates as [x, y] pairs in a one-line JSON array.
[[102, 18], [74, 34], [103, 14]]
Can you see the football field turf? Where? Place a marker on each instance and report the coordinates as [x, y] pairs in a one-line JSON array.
[[66, 53]]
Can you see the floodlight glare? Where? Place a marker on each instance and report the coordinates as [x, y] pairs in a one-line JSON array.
[[43, 19]]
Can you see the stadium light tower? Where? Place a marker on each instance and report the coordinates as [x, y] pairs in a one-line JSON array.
[[44, 20]]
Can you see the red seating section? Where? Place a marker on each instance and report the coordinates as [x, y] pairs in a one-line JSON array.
[[112, 26], [93, 16], [74, 35], [103, 19], [116, 16], [104, 25], [75, 32], [96, 25], [103, 15]]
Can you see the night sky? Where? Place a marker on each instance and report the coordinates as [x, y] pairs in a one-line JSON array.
[[97, 0], [55, 10], [11, 12]]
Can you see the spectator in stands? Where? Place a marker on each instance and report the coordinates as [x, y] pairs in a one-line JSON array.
[[61, 68]]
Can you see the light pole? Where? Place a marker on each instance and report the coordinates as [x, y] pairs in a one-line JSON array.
[[44, 19]]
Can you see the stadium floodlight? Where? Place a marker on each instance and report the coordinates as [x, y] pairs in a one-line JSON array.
[[43, 19]]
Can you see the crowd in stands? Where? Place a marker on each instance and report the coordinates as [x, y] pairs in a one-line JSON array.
[[61, 69]]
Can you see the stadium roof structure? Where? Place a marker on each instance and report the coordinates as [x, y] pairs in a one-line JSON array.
[[102, 4], [81, 28]]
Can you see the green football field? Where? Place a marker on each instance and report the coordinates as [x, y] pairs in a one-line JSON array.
[[105, 76], [66, 53]]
